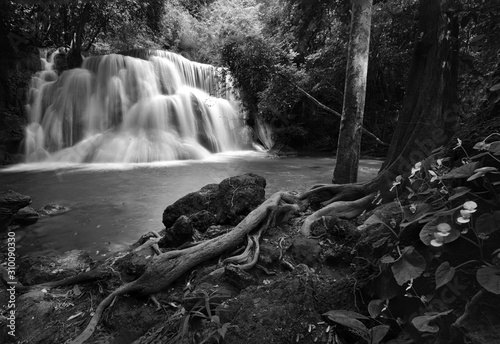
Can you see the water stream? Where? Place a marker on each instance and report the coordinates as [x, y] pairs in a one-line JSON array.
[[111, 205]]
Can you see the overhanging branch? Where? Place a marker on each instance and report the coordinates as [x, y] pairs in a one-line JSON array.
[[327, 109]]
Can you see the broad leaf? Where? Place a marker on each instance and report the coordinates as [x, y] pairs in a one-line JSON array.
[[427, 232], [444, 274], [410, 266], [375, 307], [421, 323], [476, 39], [488, 223], [489, 278], [377, 333], [458, 192], [344, 313], [380, 242], [464, 171], [494, 147], [421, 211], [340, 317], [495, 88]]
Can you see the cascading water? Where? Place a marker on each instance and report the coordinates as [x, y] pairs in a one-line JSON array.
[[155, 106]]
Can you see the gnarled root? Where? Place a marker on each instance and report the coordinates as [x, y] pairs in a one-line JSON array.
[[325, 194], [340, 209], [167, 267]]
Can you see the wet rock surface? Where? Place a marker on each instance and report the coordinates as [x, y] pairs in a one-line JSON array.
[[10, 203], [25, 216], [228, 202]]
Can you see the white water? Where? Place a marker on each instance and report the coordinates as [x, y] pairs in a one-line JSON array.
[[125, 109]]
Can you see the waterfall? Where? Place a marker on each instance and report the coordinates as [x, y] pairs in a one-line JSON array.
[[140, 106]]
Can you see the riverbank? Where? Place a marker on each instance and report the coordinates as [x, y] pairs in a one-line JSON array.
[[282, 298]]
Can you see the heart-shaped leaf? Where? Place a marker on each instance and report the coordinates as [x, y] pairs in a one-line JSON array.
[[410, 266], [464, 171], [421, 323], [341, 317], [421, 210], [375, 307], [489, 278], [444, 274], [488, 223], [377, 333], [427, 232]]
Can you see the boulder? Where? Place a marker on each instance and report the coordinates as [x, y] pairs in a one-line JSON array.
[[228, 202], [25, 216], [10, 203]]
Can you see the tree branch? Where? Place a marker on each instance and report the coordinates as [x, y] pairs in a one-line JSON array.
[[327, 109]]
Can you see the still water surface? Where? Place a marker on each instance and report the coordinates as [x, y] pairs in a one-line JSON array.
[[112, 205]]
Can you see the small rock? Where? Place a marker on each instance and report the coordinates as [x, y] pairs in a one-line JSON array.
[[238, 278], [305, 251], [25, 216], [52, 209], [181, 232], [269, 255]]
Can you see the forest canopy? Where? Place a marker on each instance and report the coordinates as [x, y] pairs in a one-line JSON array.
[[273, 50]]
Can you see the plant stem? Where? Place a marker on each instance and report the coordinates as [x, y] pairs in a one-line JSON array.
[[467, 262], [469, 240]]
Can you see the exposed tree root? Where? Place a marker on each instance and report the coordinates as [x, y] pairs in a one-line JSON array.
[[325, 194], [167, 267], [340, 209]]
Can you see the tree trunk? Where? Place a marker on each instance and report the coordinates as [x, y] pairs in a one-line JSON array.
[[429, 115], [428, 118], [346, 168]]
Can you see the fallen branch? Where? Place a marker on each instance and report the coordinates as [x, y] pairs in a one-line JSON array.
[[167, 267], [327, 109]]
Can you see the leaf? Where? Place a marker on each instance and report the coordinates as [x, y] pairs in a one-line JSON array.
[[458, 192], [387, 259], [375, 307], [372, 220], [494, 147], [422, 210], [475, 176], [488, 223], [464, 171], [340, 317], [444, 274], [421, 323], [489, 278], [410, 266], [349, 314], [380, 242], [495, 88], [427, 232], [377, 333], [476, 39]]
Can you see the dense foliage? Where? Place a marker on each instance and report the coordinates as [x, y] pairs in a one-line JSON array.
[[276, 52]]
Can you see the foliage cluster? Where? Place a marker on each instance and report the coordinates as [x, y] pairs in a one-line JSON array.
[[453, 207]]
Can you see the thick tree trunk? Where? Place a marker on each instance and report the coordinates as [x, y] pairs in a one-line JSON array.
[[428, 118], [429, 115], [346, 168]]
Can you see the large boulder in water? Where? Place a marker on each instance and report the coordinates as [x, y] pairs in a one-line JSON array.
[[228, 202]]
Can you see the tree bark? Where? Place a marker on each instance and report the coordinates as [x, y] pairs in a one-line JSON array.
[[429, 115], [346, 168]]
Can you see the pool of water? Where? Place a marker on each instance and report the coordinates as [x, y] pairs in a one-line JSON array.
[[112, 205]]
